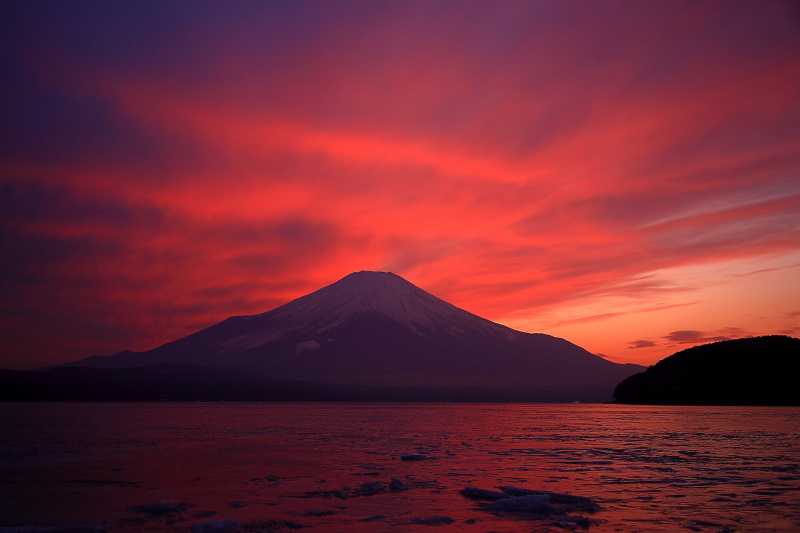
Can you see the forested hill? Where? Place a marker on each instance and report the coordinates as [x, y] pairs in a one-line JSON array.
[[752, 371]]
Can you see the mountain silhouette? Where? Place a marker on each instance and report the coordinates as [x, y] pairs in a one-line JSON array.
[[751, 371], [375, 329]]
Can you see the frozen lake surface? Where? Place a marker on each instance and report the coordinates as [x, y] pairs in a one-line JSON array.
[[328, 467]]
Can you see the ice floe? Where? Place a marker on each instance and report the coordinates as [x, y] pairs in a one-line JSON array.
[[432, 521], [542, 504], [483, 494], [215, 526], [396, 484], [67, 528], [370, 488], [413, 457], [160, 507], [533, 503], [555, 497], [574, 522]]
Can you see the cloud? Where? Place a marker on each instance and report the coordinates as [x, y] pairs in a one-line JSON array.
[[689, 337], [641, 344], [692, 337], [165, 167], [700, 337]]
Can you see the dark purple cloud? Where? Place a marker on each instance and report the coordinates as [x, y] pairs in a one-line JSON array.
[[701, 337], [641, 344]]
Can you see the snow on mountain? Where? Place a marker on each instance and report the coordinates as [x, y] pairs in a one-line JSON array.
[[365, 292]]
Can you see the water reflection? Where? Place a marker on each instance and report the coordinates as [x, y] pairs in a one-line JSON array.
[[651, 468]]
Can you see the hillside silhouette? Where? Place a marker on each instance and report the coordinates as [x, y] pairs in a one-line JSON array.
[[752, 371]]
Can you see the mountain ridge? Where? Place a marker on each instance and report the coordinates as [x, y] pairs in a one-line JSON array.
[[378, 329]]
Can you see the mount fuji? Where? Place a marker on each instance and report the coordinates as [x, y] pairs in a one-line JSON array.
[[375, 331]]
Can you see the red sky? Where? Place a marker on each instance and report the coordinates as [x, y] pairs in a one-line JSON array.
[[625, 175]]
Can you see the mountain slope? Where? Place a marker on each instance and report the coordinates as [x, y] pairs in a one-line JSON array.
[[752, 371], [377, 329]]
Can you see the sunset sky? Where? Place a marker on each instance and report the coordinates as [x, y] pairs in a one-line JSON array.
[[625, 175]]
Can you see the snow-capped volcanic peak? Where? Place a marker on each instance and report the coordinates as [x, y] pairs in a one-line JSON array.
[[376, 329], [383, 293]]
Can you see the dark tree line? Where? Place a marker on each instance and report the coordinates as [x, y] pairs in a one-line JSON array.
[[752, 371]]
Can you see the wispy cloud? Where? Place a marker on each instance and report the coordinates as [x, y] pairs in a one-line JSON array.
[[692, 337], [700, 337], [642, 343]]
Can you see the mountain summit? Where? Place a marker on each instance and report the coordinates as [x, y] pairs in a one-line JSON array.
[[381, 294], [376, 329]]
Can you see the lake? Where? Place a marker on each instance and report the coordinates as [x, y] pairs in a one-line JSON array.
[[327, 467]]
